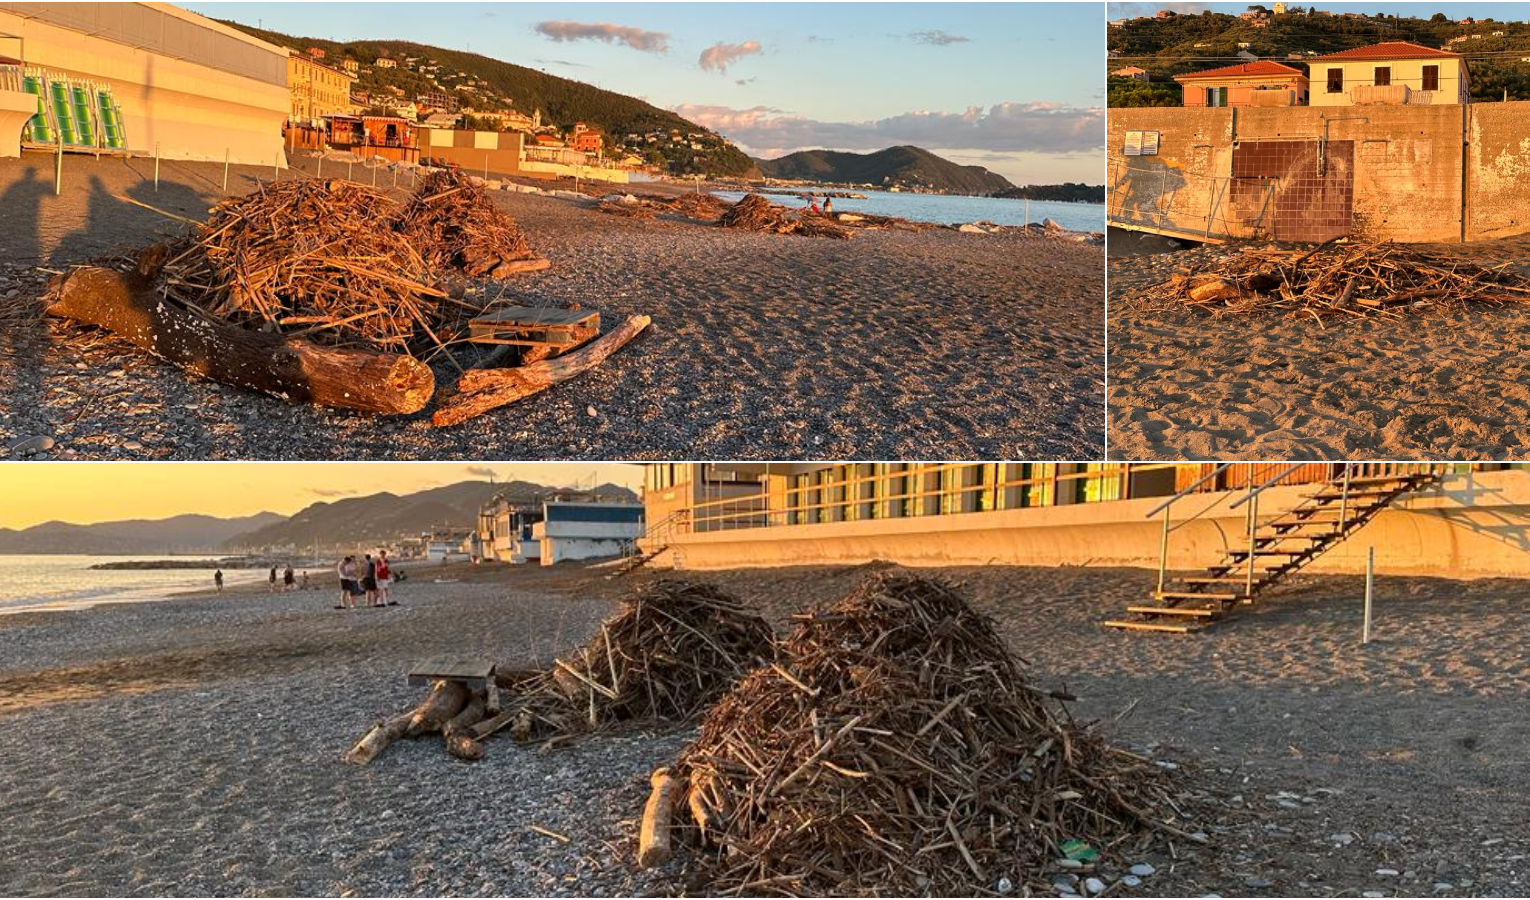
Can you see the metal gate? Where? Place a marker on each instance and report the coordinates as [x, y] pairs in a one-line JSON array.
[[1307, 188]]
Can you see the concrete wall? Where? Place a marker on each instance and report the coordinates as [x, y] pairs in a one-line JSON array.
[[1400, 169], [1477, 525], [190, 86], [1498, 170], [16, 108]]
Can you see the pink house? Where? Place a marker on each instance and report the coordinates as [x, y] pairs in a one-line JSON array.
[[1262, 83]]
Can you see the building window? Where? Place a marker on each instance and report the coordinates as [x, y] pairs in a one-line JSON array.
[[1383, 76], [1431, 78], [1335, 81]]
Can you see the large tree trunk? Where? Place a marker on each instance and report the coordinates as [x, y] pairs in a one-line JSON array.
[[291, 368], [481, 390], [445, 701]]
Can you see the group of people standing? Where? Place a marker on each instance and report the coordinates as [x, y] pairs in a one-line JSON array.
[[368, 580], [813, 207], [288, 580]]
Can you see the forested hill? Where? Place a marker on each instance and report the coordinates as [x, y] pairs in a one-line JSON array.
[[1069, 192], [1168, 46], [903, 167], [492, 84]]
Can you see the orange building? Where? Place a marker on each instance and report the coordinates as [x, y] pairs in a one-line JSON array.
[[1262, 83]]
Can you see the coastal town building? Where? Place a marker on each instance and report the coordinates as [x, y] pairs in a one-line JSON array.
[[1262, 83], [1394, 73], [384, 62], [317, 89], [559, 528], [1133, 72], [725, 515], [181, 85]]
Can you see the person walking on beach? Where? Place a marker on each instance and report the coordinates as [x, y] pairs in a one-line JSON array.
[[384, 580], [271, 584], [345, 570], [289, 581], [218, 580], [369, 581]]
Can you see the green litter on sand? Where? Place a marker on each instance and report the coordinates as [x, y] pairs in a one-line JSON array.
[[1079, 850]]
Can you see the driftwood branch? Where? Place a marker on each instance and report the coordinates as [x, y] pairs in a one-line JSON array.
[[481, 390], [291, 368]]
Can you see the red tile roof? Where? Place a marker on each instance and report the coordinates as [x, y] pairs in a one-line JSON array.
[[1391, 50], [1262, 68]]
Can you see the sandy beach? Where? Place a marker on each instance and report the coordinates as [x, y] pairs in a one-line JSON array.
[[1439, 383], [191, 747], [763, 346]]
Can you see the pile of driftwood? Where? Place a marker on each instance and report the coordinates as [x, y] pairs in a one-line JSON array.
[[668, 653], [754, 213], [1338, 277], [704, 207], [329, 292], [895, 748], [458, 227]]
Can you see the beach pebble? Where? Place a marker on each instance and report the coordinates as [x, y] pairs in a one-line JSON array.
[[1130, 880], [1444, 886], [1142, 870], [1069, 864], [1004, 886], [1256, 883], [1374, 894], [1094, 886], [1388, 873], [35, 444], [591, 411]]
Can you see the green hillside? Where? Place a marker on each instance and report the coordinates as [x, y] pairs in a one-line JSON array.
[[501, 86], [1167, 47], [903, 167]]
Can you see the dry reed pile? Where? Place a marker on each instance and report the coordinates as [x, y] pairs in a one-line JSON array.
[[894, 748], [1341, 277], [754, 213], [456, 225]]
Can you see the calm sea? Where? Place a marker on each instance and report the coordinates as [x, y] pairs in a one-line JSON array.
[[950, 210], [40, 583]]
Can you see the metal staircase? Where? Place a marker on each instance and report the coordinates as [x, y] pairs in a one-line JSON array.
[[1273, 548], [659, 536]]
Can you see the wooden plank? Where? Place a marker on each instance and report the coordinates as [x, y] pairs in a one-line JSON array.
[[1196, 611], [531, 326], [477, 672], [1173, 627]]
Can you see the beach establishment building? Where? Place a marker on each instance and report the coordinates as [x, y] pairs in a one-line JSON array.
[[1262, 83], [494, 153], [1395, 73], [447, 544], [317, 89], [141, 78], [558, 529], [1473, 522]]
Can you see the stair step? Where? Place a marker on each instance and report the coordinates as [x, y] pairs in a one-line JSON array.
[[1137, 625], [1192, 595], [1197, 611], [1243, 554]]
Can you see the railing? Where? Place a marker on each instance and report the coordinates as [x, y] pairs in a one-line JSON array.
[[1167, 508], [11, 78]]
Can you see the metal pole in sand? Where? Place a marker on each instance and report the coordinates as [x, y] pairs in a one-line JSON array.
[[321, 166], [225, 170], [1027, 212], [58, 169], [1370, 590], [350, 169], [276, 168], [156, 167], [374, 173]]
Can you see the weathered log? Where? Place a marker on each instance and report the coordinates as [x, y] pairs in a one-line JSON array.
[[377, 740], [480, 390], [654, 847], [458, 732], [446, 699], [702, 812], [293, 369]]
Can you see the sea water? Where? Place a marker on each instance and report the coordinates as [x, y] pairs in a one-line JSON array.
[[949, 209], [47, 583]]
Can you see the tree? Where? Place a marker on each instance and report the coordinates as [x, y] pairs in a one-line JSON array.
[[1439, 17]]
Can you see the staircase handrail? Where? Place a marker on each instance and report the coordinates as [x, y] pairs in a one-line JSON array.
[[1181, 494]]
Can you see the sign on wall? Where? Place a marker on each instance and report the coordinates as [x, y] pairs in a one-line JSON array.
[[1141, 143]]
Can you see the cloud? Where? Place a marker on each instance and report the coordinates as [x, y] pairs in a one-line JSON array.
[[636, 38], [331, 492], [937, 38], [1037, 127], [746, 81], [562, 62], [718, 57]]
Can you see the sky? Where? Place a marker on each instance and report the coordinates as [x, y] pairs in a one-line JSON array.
[[1010, 86], [88, 492]]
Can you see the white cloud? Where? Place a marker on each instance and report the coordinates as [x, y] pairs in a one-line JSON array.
[[636, 38], [1037, 127], [718, 57], [937, 38]]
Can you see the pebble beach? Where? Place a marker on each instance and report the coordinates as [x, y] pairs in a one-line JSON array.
[[893, 344], [192, 747]]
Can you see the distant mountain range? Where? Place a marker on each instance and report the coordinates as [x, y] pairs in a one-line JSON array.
[[1068, 192], [386, 516], [356, 520], [179, 534], [903, 167]]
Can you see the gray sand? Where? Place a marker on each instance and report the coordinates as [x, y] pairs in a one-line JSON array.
[[763, 346], [192, 747]]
